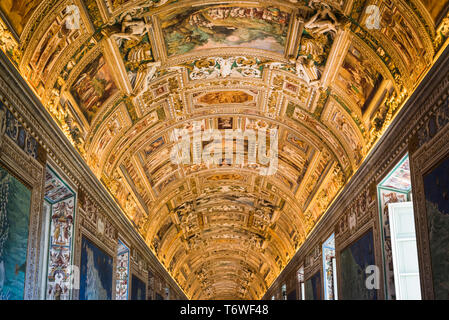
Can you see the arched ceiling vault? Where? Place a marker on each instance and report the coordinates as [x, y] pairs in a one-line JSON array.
[[329, 75]]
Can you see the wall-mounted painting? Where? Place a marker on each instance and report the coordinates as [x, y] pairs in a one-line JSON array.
[[313, 287], [138, 289], [208, 27], [159, 297], [353, 263], [96, 272], [292, 295], [18, 12], [15, 205], [93, 87], [436, 188]]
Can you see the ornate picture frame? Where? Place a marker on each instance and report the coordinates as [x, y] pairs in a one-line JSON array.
[[422, 162]]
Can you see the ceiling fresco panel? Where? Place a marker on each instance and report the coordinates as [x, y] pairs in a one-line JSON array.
[[208, 27]]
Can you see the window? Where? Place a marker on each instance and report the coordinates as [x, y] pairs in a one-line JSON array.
[[329, 269], [400, 254], [404, 250], [301, 286], [284, 292]]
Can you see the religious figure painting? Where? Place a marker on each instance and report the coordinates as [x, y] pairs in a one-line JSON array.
[[358, 78], [15, 205], [436, 188], [18, 12], [209, 27], [154, 146], [138, 289], [354, 261], [225, 123], [95, 272], [93, 87], [163, 170]]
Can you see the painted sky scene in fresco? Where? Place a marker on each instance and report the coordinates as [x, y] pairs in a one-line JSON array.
[[15, 201], [225, 26]]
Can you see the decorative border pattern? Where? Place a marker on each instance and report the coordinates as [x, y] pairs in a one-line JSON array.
[[420, 163]]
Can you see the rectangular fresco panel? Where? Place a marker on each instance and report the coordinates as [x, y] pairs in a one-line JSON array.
[[138, 289], [208, 27], [15, 204], [436, 188], [358, 77], [18, 12], [353, 263], [96, 272], [313, 287], [93, 87], [435, 7]]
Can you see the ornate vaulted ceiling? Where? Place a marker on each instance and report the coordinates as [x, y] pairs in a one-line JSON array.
[[323, 73]]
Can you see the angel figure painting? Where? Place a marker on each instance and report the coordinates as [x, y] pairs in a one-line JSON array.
[[93, 87], [225, 26]]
